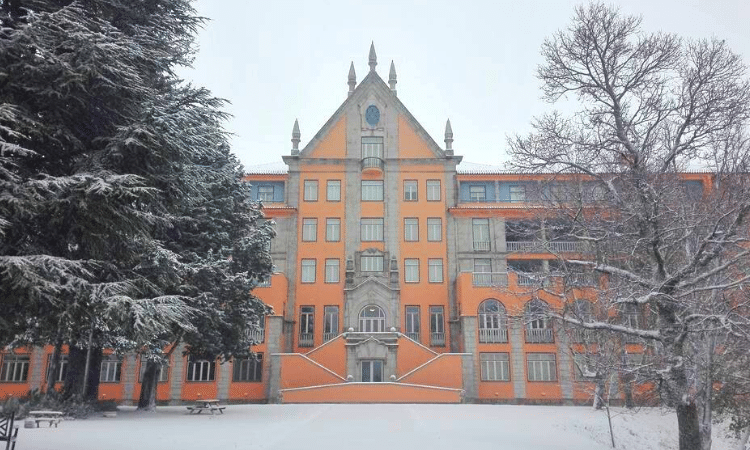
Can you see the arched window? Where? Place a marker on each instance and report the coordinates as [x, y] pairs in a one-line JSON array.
[[372, 319], [583, 311], [493, 324], [538, 327]]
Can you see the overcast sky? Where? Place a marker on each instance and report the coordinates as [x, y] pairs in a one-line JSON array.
[[472, 61]]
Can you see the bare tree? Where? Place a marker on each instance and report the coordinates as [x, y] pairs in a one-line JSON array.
[[651, 173]]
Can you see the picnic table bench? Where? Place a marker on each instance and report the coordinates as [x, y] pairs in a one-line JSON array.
[[8, 431], [51, 417], [211, 405]]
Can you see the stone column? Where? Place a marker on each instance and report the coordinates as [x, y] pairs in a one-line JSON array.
[[271, 365], [177, 375], [129, 378], [469, 362], [225, 377], [564, 364], [517, 358], [38, 362]]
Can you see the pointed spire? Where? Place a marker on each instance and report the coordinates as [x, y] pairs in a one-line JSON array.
[[373, 57], [392, 77], [352, 78], [448, 138], [295, 138]]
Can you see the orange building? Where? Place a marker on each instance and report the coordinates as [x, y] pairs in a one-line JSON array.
[[400, 277]]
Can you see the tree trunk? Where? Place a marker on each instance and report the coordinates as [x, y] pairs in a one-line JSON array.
[[688, 426], [76, 367], [54, 367], [742, 444], [599, 393], [147, 400]]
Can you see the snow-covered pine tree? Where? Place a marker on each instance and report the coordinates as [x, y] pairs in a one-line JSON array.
[[107, 161]]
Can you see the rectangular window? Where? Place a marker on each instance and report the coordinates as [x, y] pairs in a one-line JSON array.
[[437, 326], [541, 367], [333, 229], [481, 232], [412, 322], [372, 371], [333, 190], [371, 263], [62, 368], [477, 193], [372, 147], [581, 367], [110, 369], [311, 190], [411, 229], [517, 193], [411, 271], [162, 375], [435, 268], [434, 229], [410, 190], [433, 190], [331, 323], [200, 369], [308, 271], [306, 326], [265, 193], [372, 191], [248, 369], [332, 270], [482, 265], [494, 366], [371, 229], [309, 230], [15, 368]]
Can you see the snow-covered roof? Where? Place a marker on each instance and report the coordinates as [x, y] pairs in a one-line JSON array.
[[470, 168], [272, 168]]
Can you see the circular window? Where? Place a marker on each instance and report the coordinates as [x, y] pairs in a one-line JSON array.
[[372, 115]]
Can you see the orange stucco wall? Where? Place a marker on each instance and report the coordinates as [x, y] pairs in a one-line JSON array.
[[372, 393], [443, 371], [331, 355], [410, 145], [410, 356], [299, 371], [333, 144]]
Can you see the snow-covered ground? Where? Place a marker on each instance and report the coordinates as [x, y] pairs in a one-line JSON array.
[[363, 427]]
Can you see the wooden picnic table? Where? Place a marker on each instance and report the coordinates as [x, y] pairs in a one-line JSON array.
[[51, 417], [212, 405]]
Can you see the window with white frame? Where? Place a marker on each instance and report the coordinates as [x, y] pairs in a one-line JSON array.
[[494, 366], [437, 326], [412, 322], [306, 326], [162, 370], [311, 191], [332, 270], [308, 271], [265, 193], [477, 193], [372, 147], [372, 190], [110, 369], [309, 230], [333, 190], [333, 229], [435, 270], [248, 369], [330, 322], [581, 370], [371, 263], [541, 367], [62, 368], [200, 369], [434, 229], [15, 368], [410, 190], [517, 193], [411, 229], [371, 229], [411, 270], [433, 190], [480, 229], [493, 322]]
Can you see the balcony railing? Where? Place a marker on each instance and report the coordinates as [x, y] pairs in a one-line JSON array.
[[414, 336], [257, 335], [523, 246], [372, 162], [306, 340], [437, 339], [527, 280], [486, 279], [493, 335], [328, 336], [567, 247], [481, 246], [539, 335], [581, 279], [580, 336]]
